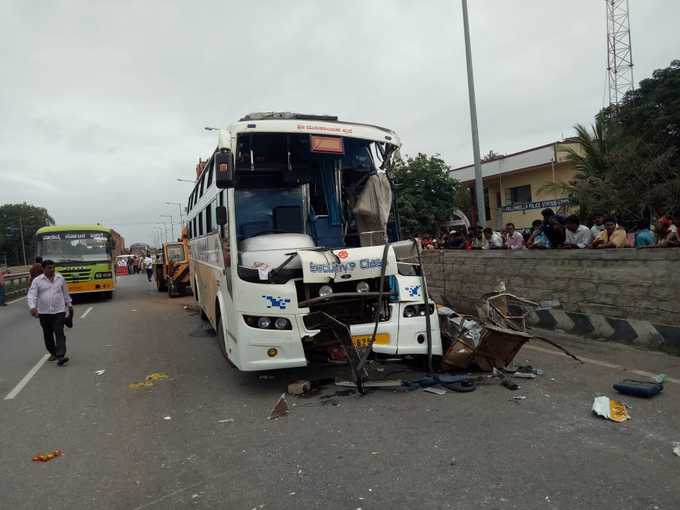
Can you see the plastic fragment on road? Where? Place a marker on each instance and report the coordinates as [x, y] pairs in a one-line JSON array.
[[226, 420], [610, 409], [435, 390], [148, 381], [167, 418], [676, 448], [280, 408], [519, 397], [99, 372], [46, 457]]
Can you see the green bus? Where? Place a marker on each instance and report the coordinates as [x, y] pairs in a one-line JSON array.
[[83, 255]]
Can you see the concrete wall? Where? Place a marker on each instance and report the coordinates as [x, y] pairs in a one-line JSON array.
[[608, 293]]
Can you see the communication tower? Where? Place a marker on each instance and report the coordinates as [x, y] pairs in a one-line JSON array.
[[619, 51]]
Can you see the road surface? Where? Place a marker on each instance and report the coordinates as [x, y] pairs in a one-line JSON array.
[[201, 438]]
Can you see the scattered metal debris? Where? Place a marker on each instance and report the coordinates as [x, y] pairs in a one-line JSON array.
[[280, 408]]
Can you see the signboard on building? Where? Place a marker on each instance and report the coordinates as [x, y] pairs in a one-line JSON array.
[[543, 204]]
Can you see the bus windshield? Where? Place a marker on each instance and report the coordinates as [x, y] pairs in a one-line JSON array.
[[260, 211], [74, 247]]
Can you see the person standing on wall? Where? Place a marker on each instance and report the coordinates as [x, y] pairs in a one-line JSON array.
[[48, 299], [148, 265]]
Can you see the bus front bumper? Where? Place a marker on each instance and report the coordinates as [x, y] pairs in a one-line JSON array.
[[90, 286]]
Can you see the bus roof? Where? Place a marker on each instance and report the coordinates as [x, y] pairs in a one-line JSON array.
[[285, 122], [73, 228]]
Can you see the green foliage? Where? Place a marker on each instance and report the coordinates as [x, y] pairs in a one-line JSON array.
[[15, 218], [629, 163], [426, 194]]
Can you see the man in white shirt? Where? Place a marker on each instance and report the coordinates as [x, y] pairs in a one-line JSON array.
[[48, 299], [148, 265], [577, 235], [491, 240]]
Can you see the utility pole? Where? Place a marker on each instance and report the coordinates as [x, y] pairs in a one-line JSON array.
[[619, 51], [21, 234], [479, 184]]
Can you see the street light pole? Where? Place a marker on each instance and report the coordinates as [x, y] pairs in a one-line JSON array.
[[479, 185], [181, 218], [21, 234], [172, 225]]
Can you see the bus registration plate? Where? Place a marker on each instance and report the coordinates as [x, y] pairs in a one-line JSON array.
[[364, 340]]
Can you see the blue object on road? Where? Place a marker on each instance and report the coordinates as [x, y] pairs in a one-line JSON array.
[[634, 388]]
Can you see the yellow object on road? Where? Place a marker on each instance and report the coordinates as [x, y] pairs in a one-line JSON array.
[[148, 381]]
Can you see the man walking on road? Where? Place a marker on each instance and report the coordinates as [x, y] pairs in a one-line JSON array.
[[148, 265], [48, 299]]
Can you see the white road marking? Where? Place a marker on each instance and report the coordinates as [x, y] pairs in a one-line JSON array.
[[26, 378], [599, 363], [16, 300], [86, 312]]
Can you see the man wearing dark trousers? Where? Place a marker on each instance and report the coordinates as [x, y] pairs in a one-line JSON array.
[[48, 299]]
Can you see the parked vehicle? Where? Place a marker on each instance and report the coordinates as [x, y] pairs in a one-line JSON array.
[[171, 269]]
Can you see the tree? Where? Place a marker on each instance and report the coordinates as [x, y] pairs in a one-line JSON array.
[[629, 164], [17, 220], [425, 194], [491, 156]]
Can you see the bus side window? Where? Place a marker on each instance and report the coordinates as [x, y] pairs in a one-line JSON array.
[[200, 223], [195, 231], [208, 218], [202, 183], [210, 175], [191, 231]]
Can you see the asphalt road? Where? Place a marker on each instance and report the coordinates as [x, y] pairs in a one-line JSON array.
[[385, 450]]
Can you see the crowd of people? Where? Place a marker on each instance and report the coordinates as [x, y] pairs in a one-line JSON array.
[[555, 231]]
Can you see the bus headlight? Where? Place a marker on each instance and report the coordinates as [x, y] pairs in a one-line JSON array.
[[413, 310], [282, 323], [363, 287], [260, 322], [325, 290]]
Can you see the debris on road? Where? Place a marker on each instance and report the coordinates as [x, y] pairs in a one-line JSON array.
[[676, 448], [519, 397], [99, 372], [387, 383], [280, 408], [610, 409], [644, 389], [46, 457], [149, 381], [226, 420], [167, 418], [435, 390]]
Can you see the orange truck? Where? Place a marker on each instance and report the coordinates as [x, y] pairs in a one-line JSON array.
[[172, 269]]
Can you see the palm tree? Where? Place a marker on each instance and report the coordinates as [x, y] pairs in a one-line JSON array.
[[590, 158]]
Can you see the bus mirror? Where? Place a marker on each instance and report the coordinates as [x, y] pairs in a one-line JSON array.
[[221, 215], [224, 167]]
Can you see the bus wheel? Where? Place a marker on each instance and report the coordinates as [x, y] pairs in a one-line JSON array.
[[221, 339]]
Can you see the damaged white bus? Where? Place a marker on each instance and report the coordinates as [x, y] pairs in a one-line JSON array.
[[294, 245]]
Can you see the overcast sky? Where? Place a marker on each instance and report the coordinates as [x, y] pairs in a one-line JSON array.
[[102, 106]]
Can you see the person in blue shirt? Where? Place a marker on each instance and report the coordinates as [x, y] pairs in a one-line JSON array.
[[644, 235]]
